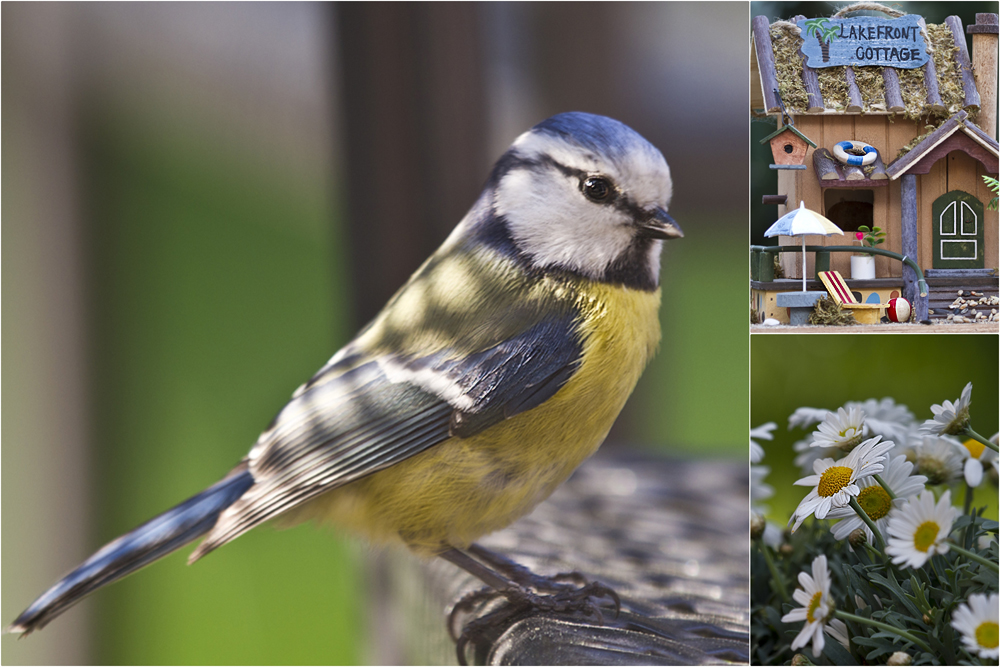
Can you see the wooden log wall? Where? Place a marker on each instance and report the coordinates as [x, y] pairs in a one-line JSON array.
[[826, 130]]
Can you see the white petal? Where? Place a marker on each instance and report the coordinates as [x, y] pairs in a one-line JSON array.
[[973, 472]]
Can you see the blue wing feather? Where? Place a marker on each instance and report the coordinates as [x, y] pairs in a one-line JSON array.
[[355, 420]]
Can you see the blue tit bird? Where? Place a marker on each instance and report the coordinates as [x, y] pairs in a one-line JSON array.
[[484, 382]]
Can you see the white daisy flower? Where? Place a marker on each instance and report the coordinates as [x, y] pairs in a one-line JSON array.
[[835, 482], [920, 529], [950, 418], [762, 432], [837, 629], [980, 456], [886, 418], [806, 417], [844, 430], [876, 502], [940, 460], [759, 491], [977, 622], [882, 417], [817, 607]]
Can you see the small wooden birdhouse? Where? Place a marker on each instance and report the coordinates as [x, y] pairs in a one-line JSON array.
[[788, 146]]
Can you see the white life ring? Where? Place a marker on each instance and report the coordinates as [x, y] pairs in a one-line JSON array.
[[840, 152]]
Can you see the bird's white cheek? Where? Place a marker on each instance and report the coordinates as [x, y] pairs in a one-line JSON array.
[[550, 221]]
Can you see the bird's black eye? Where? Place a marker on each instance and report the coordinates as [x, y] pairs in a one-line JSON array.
[[597, 189]]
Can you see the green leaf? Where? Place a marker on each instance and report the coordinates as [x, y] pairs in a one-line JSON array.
[[837, 654]]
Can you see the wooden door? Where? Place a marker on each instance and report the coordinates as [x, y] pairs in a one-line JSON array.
[[958, 231]]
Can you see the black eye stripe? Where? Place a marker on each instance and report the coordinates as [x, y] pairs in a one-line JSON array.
[[620, 200]]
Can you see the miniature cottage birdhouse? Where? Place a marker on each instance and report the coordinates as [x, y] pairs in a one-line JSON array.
[[904, 123], [788, 146]]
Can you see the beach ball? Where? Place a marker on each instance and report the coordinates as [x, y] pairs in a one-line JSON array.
[[898, 310]]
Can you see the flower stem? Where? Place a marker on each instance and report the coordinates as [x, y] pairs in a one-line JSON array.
[[975, 436], [968, 506], [871, 524], [779, 582], [881, 482], [874, 551], [972, 556], [844, 616]]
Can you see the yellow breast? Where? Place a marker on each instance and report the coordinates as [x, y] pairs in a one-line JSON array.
[[461, 489]]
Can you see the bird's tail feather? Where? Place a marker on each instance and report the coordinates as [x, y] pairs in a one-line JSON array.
[[152, 540]]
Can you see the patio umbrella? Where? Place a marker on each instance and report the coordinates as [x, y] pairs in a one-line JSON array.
[[802, 222]]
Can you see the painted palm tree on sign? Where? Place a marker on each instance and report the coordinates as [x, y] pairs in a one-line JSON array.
[[824, 33]]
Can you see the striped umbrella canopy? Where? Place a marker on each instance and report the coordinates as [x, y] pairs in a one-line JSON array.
[[803, 222]]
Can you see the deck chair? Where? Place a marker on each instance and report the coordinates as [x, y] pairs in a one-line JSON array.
[[864, 313]]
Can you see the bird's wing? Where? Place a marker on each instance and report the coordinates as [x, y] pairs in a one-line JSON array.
[[497, 383], [360, 415]]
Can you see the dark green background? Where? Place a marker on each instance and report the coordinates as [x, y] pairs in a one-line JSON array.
[[825, 371]]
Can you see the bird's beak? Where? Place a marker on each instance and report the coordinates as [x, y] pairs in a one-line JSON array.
[[659, 225]]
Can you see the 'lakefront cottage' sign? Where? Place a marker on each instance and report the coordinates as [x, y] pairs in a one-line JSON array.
[[864, 40]]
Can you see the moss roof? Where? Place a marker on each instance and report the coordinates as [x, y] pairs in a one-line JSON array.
[[789, 65]]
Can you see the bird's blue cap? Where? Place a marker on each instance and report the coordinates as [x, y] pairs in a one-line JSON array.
[[599, 134]]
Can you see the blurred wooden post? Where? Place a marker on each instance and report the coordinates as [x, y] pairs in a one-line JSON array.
[[414, 135], [671, 537]]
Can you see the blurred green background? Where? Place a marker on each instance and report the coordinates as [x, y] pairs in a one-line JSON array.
[[825, 371], [203, 202]]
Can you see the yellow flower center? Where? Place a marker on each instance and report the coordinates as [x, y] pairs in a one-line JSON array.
[[850, 438], [924, 535], [875, 502], [834, 479], [975, 447], [814, 604], [986, 634]]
